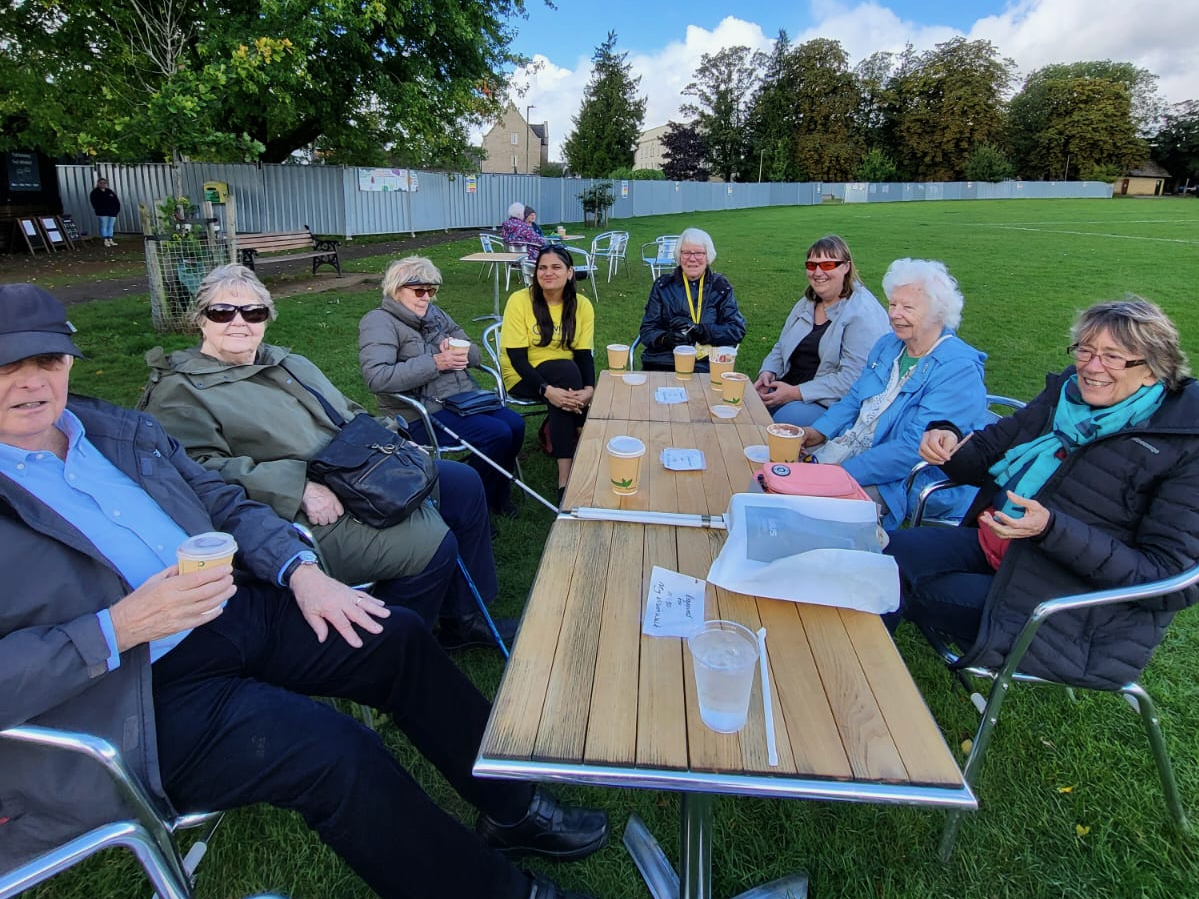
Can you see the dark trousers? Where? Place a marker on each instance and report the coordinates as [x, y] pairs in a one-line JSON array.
[[463, 506], [564, 426], [499, 435], [235, 726], [944, 579]]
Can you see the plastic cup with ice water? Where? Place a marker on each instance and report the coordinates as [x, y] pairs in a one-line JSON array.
[[724, 655]]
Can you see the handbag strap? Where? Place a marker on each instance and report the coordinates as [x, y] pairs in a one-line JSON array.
[[329, 410]]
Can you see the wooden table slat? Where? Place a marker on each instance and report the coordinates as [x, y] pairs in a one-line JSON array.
[[614, 399], [864, 732]]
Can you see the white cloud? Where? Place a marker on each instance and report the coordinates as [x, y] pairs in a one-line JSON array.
[[1156, 35]]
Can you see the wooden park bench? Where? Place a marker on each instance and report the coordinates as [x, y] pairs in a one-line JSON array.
[[321, 252]]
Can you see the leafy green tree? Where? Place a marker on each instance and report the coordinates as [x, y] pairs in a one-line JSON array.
[[552, 170], [1032, 110], [1176, 146], [724, 83], [630, 174], [608, 123], [824, 99], [873, 122], [876, 166], [203, 78], [1085, 128], [988, 163], [685, 153], [946, 101], [769, 120]]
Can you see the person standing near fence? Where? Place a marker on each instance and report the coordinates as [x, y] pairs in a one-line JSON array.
[[107, 206]]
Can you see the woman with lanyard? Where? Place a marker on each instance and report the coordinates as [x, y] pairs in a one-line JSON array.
[[692, 305]]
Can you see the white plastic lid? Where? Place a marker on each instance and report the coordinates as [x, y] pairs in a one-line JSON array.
[[626, 446]]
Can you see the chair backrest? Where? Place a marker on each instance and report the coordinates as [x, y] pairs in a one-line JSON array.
[[491, 243], [491, 345], [666, 244], [528, 271], [633, 352]]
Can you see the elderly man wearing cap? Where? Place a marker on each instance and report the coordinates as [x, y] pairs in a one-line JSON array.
[[200, 678]]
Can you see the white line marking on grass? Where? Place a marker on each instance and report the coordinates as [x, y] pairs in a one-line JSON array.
[[1096, 234]]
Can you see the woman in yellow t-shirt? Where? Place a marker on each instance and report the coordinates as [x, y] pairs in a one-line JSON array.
[[547, 341]]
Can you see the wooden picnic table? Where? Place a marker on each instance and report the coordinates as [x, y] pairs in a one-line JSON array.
[[587, 698], [614, 398]]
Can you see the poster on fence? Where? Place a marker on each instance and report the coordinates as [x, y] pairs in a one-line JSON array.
[[624, 189], [472, 184], [387, 180]]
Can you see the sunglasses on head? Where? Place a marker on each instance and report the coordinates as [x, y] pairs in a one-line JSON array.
[[223, 313], [825, 265], [423, 290]]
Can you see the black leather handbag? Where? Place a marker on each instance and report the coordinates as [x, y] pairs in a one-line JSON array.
[[380, 475], [472, 402]]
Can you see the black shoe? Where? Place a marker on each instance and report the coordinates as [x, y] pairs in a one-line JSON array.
[[470, 631], [549, 828], [547, 889]]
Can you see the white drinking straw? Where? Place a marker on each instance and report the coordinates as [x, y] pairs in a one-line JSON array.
[[772, 752], [676, 519]]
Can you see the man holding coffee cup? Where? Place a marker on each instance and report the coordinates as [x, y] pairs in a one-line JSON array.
[[191, 675]]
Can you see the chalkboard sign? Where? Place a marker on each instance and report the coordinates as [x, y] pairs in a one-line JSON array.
[[33, 237], [55, 237], [23, 172], [71, 230]]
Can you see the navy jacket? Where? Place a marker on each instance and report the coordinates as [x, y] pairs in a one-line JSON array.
[[668, 303]]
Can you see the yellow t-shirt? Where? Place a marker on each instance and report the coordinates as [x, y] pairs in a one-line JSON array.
[[520, 331]]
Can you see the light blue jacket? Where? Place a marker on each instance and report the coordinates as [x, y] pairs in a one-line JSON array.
[[945, 385]]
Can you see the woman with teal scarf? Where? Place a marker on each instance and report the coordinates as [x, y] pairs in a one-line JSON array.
[[1094, 484]]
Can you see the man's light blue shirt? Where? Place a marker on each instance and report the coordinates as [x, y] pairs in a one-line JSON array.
[[121, 520]]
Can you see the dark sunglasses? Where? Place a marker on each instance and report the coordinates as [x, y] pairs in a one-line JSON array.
[[422, 292], [825, 265], [223, 313]]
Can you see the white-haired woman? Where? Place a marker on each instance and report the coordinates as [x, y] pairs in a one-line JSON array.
[[518, 231], [918, 374], [404, 347], [1094, 484], [691, 305]]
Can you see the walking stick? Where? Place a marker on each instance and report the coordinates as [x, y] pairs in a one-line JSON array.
[[505, 472]]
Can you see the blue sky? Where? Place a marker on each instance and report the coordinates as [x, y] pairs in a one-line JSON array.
[[665, 39]]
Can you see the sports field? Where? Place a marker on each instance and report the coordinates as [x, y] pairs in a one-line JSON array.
[[1070, 801]]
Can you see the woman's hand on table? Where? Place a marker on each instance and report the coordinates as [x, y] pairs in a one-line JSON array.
[[1035, 520], [320, 504], [938, 445]]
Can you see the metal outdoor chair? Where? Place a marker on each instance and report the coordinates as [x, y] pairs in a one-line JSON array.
[[633, 352], [491, 244], [148, 833], [658, 254], [588, 268], [1009, 673], [611, 245], [491, 343]]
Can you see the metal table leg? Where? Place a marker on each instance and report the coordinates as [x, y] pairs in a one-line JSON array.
[[650, 860], [695, 846]]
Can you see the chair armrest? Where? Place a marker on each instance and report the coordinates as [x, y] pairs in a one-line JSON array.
[[419, 408], [145, 807], [1076, 601]]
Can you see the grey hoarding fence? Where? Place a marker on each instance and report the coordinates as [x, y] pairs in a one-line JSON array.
[[344, 201]]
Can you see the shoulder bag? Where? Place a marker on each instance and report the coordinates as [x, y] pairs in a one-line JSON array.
[[380, 476]]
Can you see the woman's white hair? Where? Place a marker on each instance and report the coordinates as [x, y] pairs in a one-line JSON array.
[[516, 211], [695, 237], [933, 278]]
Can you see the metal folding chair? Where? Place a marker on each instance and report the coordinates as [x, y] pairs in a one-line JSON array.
[[611, 245], [588, 266], [491, 344], [661, 259], [149, 833]]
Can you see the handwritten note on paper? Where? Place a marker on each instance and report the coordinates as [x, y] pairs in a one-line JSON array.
[[675, 604], [670, 395]]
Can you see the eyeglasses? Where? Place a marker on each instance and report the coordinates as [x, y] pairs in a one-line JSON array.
[[223, 313], [825, 265], [693, 254], [422, 292], [1110, 361]]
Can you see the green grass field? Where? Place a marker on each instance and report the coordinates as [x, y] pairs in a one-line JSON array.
[[1070, 801]]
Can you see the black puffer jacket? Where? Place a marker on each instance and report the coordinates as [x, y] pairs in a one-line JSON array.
[[1125, 510]]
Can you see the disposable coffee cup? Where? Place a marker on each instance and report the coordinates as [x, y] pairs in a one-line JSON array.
[[624, 464], [684, 362], [733, 387], [209, 550], [724, 655], [618, 356], [785, 442], [459, 344], [720, 360]]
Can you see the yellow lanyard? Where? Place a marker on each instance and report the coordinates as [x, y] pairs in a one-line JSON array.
[[695, 313]]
